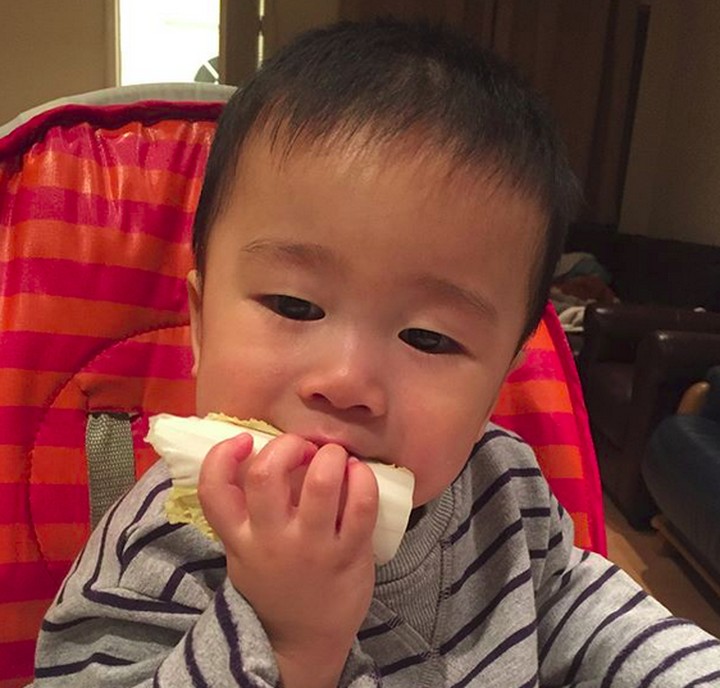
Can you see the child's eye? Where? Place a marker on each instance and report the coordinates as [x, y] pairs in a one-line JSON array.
[[292, 308], [430, 342]]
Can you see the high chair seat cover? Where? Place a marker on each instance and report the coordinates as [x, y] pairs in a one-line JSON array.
[[96, 207]]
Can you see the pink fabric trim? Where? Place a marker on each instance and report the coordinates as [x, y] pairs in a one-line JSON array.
[[596, 516], [108, 116], [130, 150]]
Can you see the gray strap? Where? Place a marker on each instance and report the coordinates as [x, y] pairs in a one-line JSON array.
[[111, 461]]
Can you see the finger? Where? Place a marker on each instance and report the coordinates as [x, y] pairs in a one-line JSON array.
[[358, 518], [322, 490], [219, 492], [267, 479]]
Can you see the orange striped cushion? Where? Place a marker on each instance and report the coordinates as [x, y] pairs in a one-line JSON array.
[[542, 401], [95, 219], [96, 207]]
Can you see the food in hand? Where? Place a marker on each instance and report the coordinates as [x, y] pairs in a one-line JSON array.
[[184, 442]]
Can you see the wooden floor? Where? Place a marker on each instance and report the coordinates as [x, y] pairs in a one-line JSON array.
[[665, 576]]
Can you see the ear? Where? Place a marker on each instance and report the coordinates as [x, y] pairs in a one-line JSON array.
[[194, 288]]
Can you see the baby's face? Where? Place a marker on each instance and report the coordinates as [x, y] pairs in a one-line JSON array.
[[364, 299]]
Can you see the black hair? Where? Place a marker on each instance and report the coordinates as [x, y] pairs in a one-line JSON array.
[[388, 78]]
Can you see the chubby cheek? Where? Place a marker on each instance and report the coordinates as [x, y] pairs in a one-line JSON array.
[[222, 390], [437, 459], [233, 380], [442, 433], [435, 474]]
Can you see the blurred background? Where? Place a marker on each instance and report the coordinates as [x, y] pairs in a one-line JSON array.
[[632, 82]]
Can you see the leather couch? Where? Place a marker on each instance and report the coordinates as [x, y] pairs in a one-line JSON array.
[[682, 472], [637, 357], [635, 364], [656, 272]]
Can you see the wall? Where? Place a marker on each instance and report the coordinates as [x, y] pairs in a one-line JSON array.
[[49, 49], [55, 48], [285, 19], [673, 183]]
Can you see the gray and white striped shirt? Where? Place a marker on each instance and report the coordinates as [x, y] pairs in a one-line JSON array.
[[486, 590]]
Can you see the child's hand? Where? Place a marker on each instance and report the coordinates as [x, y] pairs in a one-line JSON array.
[[303, 561]]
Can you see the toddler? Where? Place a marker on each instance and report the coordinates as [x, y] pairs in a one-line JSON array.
[[382, 212]]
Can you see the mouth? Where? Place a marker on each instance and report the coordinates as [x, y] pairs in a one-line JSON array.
[[321, 441]]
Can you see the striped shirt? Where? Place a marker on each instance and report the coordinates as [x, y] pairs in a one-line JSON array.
[[487, 589]]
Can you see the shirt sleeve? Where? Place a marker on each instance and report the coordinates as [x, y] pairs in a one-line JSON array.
[[597, 627], [148, 603]]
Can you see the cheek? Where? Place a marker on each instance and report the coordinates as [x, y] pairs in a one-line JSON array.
[[435, 473], [444, 431], [228, 390], [233, 378], [440, 449]]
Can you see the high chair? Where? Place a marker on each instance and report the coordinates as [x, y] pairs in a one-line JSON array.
[[96, 208]]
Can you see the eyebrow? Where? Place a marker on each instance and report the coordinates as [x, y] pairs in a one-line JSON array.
[[453, 292], [299, 253]]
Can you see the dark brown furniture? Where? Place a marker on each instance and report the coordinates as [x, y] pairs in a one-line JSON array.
[[682, 472], [653, 271], [637, 358], [635, 363]]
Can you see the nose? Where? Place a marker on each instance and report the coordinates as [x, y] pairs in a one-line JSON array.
[[346, 378]]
